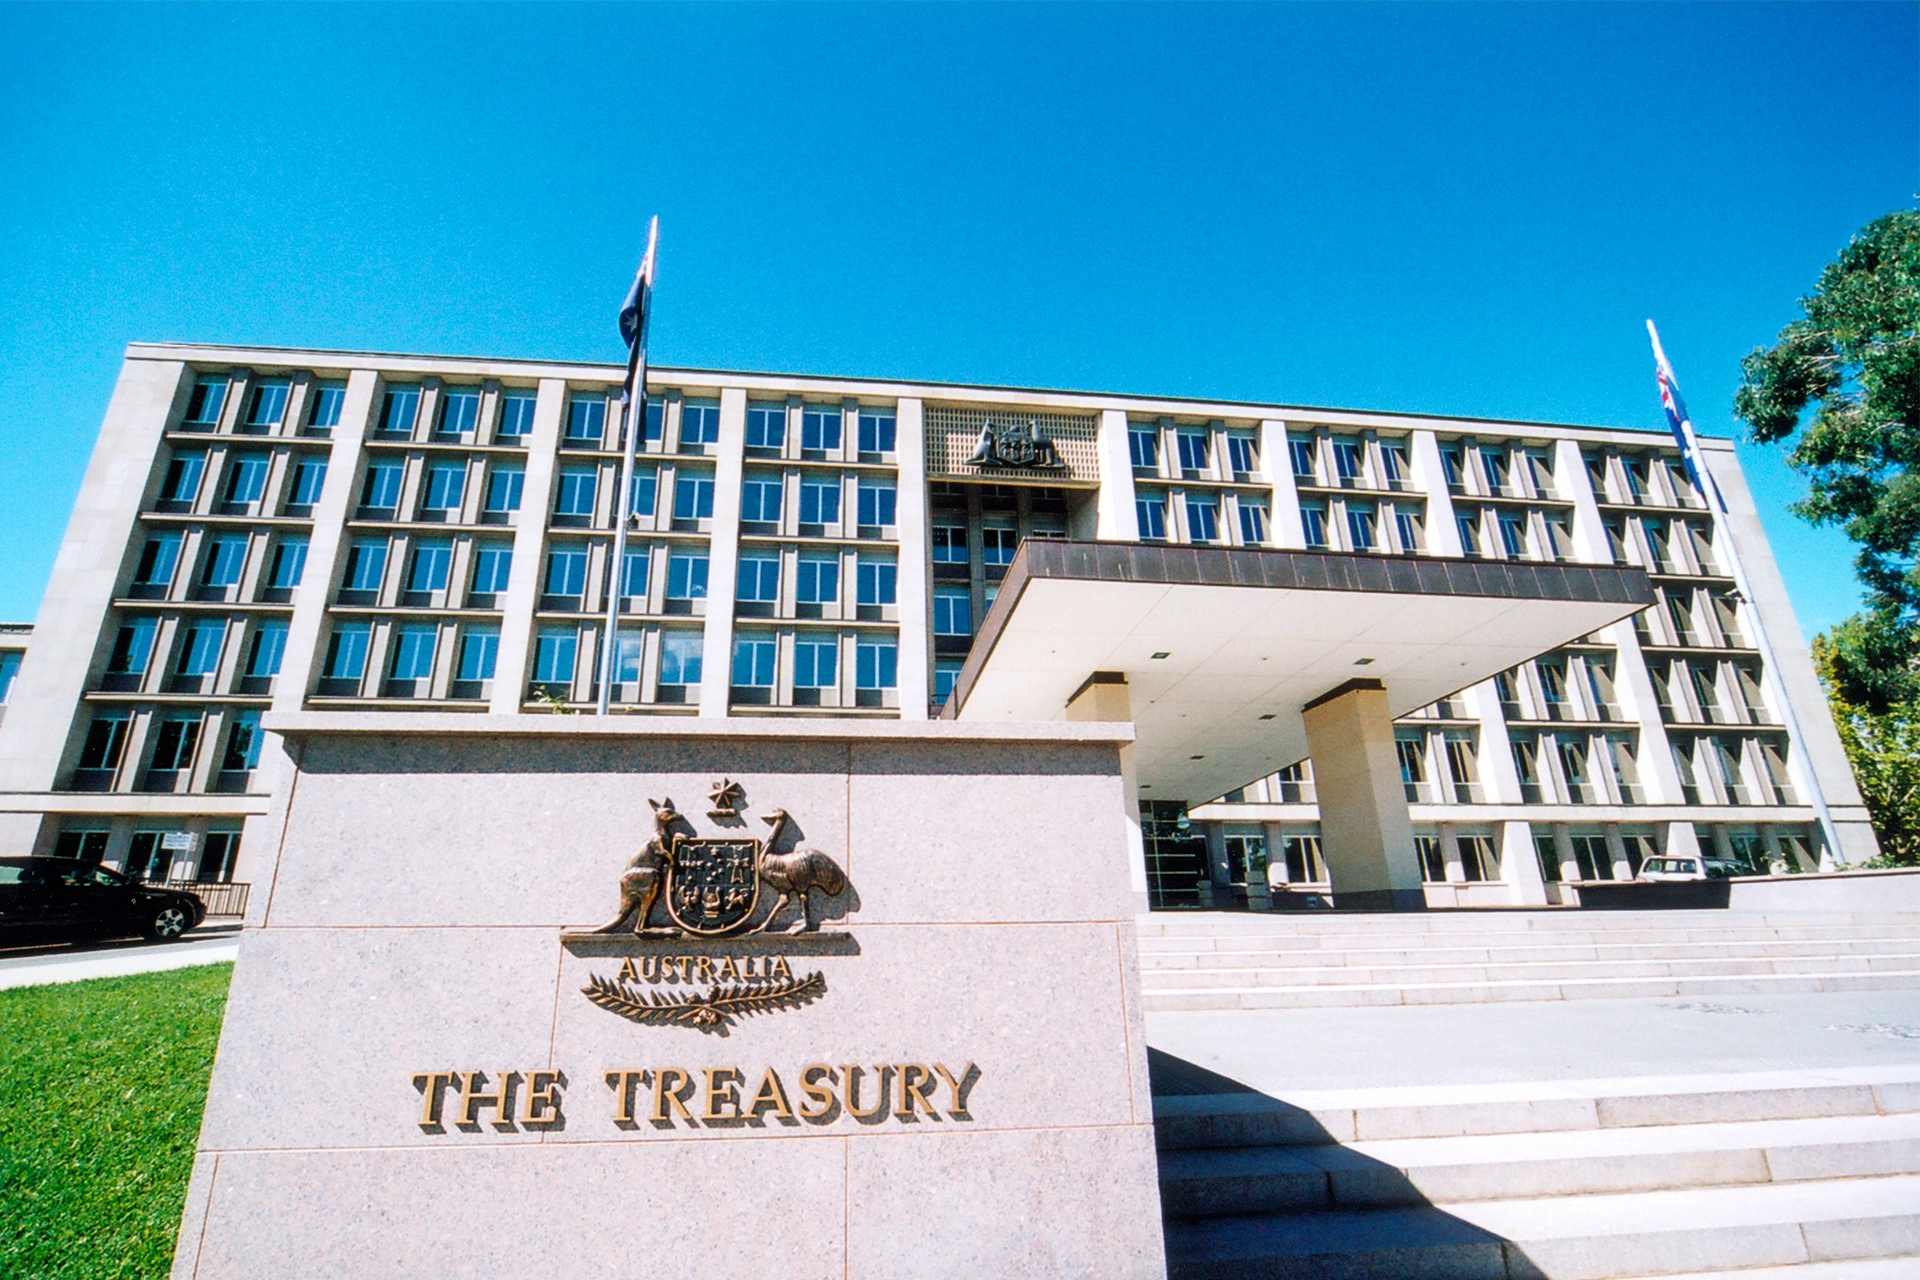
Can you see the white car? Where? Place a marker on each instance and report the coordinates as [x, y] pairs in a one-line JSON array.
[[1687, 867]]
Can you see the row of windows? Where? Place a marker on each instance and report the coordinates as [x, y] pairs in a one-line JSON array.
[[266, 403], [174, 743], [1193, 451]]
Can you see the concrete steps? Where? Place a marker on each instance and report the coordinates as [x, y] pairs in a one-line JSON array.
[[1197, 961], [1814, 1172]]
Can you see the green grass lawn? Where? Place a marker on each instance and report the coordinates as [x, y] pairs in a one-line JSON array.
[[101, 1088]]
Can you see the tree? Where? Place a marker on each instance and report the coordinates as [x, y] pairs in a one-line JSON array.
[[1883, 748], [1854, 356]]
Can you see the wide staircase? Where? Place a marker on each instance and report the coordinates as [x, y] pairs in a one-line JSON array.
[[1811, 1175], [1195, 960]]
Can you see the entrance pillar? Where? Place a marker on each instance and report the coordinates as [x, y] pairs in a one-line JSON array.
[[1104, 696], [1366, 832]]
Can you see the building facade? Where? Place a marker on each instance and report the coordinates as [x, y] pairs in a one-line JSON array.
[[266, 529]]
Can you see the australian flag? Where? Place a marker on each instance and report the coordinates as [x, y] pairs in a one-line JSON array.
[[1681, 425], [633, 312]]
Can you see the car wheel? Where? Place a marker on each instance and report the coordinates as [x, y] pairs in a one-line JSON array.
[[167, 924]]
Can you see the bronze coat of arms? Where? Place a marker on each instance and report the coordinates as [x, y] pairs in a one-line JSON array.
[[713, 884]]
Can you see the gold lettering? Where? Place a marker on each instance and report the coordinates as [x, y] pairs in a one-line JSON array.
[[916, 1082], [622, 1083], [781, 969], [541, 1107], [721, 1089], [650, 968], [702, 968], [671, 1085], [960, 1089], [810, 1085], [853, 1092], [750, 966], [433, 1095], [729, 970], [772, 1095], [626, 970], [471, 1099]]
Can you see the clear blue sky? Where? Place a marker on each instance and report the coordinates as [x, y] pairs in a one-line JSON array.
[[1433, 208]]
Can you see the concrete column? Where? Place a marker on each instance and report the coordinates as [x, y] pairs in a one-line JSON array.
[[1117, 521], [723, 551], [1570, 474], [1443, 534], [1520, 864], [529, 547], [1366, 831], [1657, 772], [1286, 531], [1682, 840], [1105, 697], [915, 572]]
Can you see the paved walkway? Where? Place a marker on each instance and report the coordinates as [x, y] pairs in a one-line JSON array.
[[115, 959]]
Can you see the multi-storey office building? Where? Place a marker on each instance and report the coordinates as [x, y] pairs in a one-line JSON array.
[[284, 530]]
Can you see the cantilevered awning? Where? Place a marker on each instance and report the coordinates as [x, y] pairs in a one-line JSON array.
[[1223, 647]]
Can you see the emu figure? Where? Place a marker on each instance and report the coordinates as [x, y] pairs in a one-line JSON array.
[[796, 874], [640, 883]]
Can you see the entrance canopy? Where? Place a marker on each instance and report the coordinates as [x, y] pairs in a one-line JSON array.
[[1223, 647]]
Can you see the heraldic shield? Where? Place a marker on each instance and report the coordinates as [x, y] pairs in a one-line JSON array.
[[712, 885]]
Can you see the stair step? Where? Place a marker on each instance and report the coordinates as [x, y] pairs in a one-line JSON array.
[[1263, 953], [1855, 1269], [1338, 995], [1589, 1237], [1219, 1182], [1264, 976]]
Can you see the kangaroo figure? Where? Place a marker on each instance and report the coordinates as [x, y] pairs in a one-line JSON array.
[[640, 884], [796, 874]]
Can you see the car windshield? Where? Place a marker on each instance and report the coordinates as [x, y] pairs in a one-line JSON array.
[[88, 874]]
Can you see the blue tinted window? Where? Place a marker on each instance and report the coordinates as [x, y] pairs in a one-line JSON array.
[[577, 489], [9, 670], [820, 501], [586, 419], [289, 563], [753, 661], [266, 404], [516, 414], [183, 477], [492, 566], [759, 578], [226, 557], [876, 432], [157, 560], [382, 490], [459, 409], [478, 650], [503, 488], [687, 576], [633, 579], [446, 483], [877, 503], [413, 652], [309, 477], [567, 571], [819, 580], [366, 563], [646, 485], [203, 405], [693, 497], [246, 477], [431, 560], [877, 582], [876, 664], [243, 743], [699, 423], [815, 664], [131, 649], [200, 648], [820, 428], [398, 408], [269, 646], [766, 426], [680, 657], [553, 656], [1152, 514], [952, 612], [327, 399], [760, 499]]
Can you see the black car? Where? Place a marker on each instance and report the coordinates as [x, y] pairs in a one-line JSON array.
[[54, 899]]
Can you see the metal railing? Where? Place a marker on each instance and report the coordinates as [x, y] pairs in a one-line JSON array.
[[221, 899]]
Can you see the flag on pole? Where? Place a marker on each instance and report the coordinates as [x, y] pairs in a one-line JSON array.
[[633, 312], [1682, 425]]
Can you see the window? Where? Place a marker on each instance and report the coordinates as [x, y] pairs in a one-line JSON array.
[[578, 487], [656, 418], [876, 664], [1347, 458], [699, 422], [1253, 522], [1433, 859], [226, 556], [680, 657], [1196, 451], [877, 504], [267, 403], [106, 739], [1313, 522], [503, 488], [446, 484], [1407, 524], [516, 414], [366, 564], [246, 477], [566, 571], [1393, 462], [1513, 533], [243, 743], [1573, 764], [627, 647], [646, 486], [586, 419], [766, 426], [946, 674], [459, 409], [200, 647], [759, 578], [175, 742], [492, 567], [820, 501], [819, 581], [1469, 526], [952, 612], [382, 489], [820, 428], [1143, 447], [1463, 761], [634, 573], [1203, 520], [1477, 858], [878, 580], [413, 648], [1243, 456], [1526, 763], [1412, 751], [431, 561], [131, 649], [268, 648], [949, 544], [687, 575], [397, 410], [753, 661], [1305, 459], [203, 404], [1152, 515], [323, 411], [692, 497], [309, 477], [347, 651], [479, 649], [553, 655], [183, 478], [1498, 468], [998, 545], [1361, 527], [876, 434], [289, 564], [816, 663], [760, 498]]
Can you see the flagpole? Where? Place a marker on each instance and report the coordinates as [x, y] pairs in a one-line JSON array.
[[1723, 536], [635, 425]]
